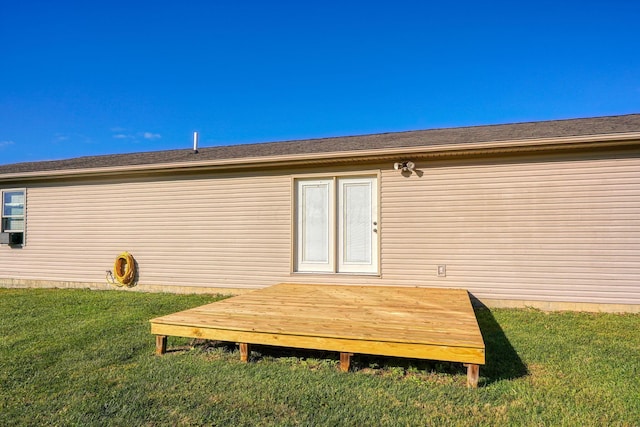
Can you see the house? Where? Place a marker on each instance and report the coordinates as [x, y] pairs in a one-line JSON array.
[[542, 214]]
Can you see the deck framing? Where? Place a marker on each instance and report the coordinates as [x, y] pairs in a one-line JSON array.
[[412, 322]]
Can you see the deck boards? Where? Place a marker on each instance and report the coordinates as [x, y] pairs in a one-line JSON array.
[[427, 323]]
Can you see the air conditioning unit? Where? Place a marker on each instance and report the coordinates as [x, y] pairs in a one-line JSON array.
[[11, 238]]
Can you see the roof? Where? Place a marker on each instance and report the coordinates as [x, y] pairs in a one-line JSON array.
[[432, 138]]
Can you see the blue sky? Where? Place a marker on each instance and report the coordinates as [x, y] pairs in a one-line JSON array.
[[99, 77]]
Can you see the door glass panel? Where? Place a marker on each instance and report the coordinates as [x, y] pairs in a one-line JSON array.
[[357, 223], [315, 228]]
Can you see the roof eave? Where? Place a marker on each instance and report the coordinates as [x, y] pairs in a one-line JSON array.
[[423, 151]]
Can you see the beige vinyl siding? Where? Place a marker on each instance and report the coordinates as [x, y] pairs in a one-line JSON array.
[[228, 231], [561, 227], [527, 229]]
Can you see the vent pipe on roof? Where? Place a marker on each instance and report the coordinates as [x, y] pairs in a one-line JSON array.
[[195, 143]]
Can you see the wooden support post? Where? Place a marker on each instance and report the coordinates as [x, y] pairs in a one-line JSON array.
[[473, 373], [345, 361], [245, 350], [161, 344]]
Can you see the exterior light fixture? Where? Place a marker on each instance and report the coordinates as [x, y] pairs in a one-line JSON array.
[[405, 166]]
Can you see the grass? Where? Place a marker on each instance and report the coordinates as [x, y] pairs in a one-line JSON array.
[[75, 357]]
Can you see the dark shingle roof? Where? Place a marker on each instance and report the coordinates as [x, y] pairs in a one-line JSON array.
[[430, 138]]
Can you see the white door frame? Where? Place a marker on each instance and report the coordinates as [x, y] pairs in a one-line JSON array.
[[337, 224]]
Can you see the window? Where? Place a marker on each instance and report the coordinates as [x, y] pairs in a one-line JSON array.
[[336, 225], [13, 214]]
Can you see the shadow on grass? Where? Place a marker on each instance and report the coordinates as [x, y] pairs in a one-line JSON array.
[[501, 359], [325, 358]]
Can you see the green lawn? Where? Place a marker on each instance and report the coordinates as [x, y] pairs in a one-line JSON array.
[[76, 357]]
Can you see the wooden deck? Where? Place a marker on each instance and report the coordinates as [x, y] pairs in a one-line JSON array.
[[423, 323]]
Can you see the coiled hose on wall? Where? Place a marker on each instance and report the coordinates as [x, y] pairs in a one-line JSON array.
[[124, 270]]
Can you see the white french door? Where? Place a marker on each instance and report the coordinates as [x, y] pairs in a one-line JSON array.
[[357, 225], [337, 225]]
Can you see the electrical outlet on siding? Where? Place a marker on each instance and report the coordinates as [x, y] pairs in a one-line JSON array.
[[442, 270]]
